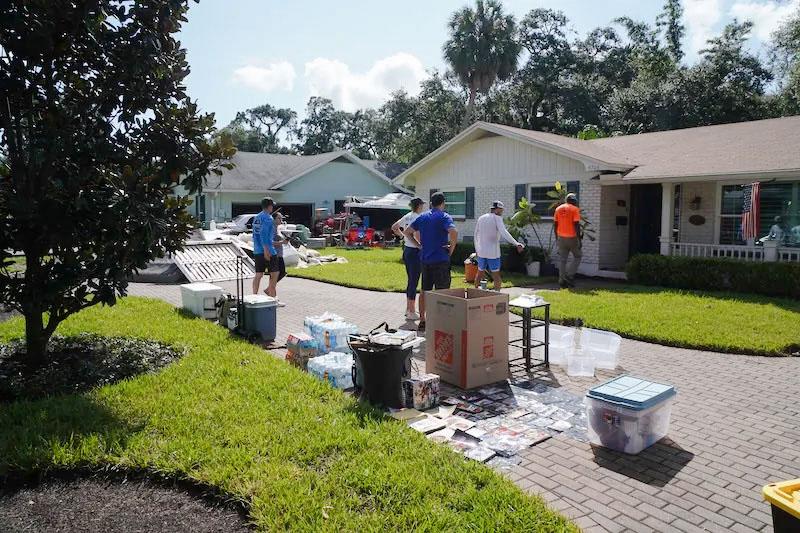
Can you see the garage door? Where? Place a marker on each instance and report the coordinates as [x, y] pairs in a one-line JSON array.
[[298, 213]]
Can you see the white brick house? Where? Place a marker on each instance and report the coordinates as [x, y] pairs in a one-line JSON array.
[[676, 192]]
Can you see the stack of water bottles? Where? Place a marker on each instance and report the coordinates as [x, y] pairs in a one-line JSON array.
[[330, 331], [335, 367]]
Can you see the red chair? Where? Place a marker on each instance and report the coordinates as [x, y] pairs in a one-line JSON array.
[[368, 236], [352, 237]]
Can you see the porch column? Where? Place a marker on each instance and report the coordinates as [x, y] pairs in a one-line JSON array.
[[667, 211]]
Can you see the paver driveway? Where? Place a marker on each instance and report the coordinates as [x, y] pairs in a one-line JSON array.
[[735, 427]]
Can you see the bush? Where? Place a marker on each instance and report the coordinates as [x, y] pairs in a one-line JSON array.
[[771, 279], [512, 260]]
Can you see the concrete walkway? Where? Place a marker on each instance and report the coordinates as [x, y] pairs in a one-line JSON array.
[[735, 427]]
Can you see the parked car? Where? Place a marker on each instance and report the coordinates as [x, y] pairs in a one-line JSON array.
[[239, 224]]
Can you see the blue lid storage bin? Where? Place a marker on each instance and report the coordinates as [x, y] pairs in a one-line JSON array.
[[629, 414]]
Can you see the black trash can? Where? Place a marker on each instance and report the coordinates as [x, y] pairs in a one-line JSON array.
[[381, 370]]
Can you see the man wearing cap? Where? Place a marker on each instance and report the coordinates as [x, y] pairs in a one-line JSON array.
[[488, 230], [437, 241], [567, 222], [265, 256]]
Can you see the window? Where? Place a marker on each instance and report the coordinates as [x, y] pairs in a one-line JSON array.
[[456, 202], [779, 205], [543, 202]]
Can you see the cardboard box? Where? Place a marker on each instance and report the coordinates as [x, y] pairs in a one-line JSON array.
[[422, 392], [467, 336]]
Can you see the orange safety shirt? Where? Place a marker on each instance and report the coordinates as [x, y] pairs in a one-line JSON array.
[[566, 216]]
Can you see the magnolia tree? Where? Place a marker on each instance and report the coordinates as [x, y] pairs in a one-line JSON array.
[[96, 132]]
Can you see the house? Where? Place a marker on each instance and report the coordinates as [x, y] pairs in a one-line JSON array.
[[676, 192], [300, 184]]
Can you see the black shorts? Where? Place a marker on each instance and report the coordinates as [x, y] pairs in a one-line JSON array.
[[262, 265], [435, 276]]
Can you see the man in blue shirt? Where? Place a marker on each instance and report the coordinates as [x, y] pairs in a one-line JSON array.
[[264, 254], [437, 241]]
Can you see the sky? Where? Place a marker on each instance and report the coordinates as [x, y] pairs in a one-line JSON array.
[[245, 53]]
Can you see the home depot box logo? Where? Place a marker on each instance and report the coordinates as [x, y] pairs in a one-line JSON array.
[[443, 346]]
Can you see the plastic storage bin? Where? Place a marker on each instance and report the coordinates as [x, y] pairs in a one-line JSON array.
[[562, 342], [785, 500], [200, 299], [629, 414], [336, 368], [260, 315], [580, 364], [604, 345]]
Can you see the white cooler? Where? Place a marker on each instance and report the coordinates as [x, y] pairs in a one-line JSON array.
[[200, 299], [629, 414]]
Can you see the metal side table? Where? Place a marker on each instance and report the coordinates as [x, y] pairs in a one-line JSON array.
[[527, 324]]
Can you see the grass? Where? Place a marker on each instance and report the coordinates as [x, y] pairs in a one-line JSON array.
[[726, 322], [300, 454], [723, 322], [382, 270]]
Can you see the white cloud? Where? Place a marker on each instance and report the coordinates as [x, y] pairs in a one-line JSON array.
[[700, 18], [333, 79], [766, 16], [267, 78]]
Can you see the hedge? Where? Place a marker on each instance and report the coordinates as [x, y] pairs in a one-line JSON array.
[[771, 279], [512, 260]]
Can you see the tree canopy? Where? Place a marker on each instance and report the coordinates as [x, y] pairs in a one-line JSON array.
[[96, 132]]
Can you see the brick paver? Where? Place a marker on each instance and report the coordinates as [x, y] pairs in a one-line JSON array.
[[734, 428]]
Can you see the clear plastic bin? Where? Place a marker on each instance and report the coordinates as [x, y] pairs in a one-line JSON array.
[[604, 345], [629, 414], [562, 342], [580, 364]]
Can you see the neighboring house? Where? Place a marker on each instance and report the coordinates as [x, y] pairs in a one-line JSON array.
[[674, 192], [299, 184]]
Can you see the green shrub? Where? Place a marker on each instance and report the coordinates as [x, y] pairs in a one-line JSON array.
[[771, 279]]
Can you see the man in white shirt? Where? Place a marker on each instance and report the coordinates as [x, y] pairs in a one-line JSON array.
[[488, 230]]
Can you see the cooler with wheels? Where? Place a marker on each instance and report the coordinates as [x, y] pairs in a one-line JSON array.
[[260, 315]]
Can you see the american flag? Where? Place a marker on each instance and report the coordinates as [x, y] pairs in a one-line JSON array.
[[751, 211]]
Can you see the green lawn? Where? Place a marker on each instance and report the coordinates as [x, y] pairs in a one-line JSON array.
[[302, 455], [709, 320], [380, 270], [716, 321]]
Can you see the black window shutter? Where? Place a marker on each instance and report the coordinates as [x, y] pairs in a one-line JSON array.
[[519, 194], [469, 208], [574, 186]]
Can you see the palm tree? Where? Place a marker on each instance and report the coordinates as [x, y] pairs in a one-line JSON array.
[[482, 48]]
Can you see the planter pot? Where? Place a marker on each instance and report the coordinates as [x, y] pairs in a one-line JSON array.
[[532, 269]]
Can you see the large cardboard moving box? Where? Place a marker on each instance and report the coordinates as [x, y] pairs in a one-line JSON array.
[[467, 336]]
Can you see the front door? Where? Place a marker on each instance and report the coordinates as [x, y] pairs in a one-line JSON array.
[[645, 223]]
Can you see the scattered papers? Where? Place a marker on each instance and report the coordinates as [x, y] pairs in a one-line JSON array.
[[560, 425], [427, 424], [405, 414], [459, 423], [480, 454]]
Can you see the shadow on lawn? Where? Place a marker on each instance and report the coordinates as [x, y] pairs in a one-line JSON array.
[[30, 431], [656, 465]]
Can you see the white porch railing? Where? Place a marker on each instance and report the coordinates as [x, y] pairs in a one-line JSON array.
[[731, 251]]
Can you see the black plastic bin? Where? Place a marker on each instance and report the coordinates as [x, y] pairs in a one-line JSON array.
[[381, 370]]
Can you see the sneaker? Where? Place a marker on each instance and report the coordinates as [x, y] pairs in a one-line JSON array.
[[421, 325], [411, 315]]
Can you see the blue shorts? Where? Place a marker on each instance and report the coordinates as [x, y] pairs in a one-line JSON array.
[[492, 265]]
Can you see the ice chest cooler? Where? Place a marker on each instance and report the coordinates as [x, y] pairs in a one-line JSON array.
[[629, 414], [200, 299], [260, 315]]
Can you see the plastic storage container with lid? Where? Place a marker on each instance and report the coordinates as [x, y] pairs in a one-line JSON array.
[[200, 299], [260, 315], [629, 414], [604, 345]]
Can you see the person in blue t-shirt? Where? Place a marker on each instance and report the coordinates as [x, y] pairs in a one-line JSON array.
[[264, 254], [437, 241]]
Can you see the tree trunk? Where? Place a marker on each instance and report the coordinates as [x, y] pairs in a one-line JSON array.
[[470, 108], [36, 338]]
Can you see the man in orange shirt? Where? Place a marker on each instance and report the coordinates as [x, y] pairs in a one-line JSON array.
[[567, 221]]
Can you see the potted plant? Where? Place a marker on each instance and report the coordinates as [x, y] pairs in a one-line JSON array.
[[525, 225]]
